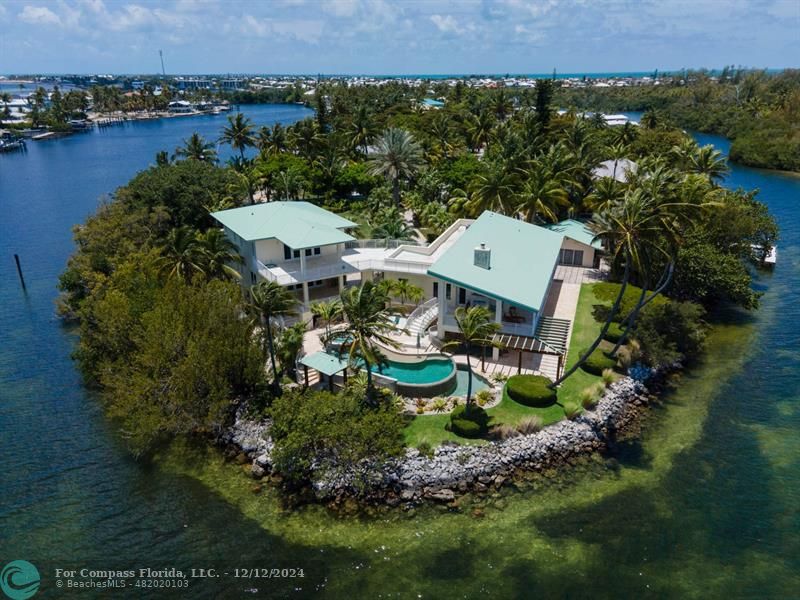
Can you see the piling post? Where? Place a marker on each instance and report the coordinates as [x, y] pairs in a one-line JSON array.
[[19, 272]]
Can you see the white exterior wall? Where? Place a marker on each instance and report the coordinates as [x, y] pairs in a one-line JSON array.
[[422, 281], [271, 251], [588, 251]]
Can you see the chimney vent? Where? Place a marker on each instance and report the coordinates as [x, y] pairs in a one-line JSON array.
[[483, 257]]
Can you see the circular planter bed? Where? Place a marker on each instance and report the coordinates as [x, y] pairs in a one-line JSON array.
[[531, 390]]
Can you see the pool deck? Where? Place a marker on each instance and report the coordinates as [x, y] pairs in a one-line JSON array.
[[561, 303]]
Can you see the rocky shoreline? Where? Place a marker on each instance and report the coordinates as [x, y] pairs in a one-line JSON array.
[[453, 470]]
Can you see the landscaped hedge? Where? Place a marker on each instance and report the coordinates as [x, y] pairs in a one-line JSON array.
[[614, 333], [469, 423], [597, 362], [531, 390]]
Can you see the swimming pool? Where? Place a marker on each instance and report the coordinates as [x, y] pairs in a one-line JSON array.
[[429, 370]]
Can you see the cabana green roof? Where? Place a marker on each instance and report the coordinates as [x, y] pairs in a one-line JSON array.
[[325, 363], [523, 258], [578, 231], [297, 224]]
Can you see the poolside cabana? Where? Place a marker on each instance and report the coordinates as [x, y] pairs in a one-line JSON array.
[[325, 364]]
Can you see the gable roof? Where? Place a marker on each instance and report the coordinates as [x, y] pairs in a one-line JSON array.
[[576, 230], [523, 257], [297, 224]]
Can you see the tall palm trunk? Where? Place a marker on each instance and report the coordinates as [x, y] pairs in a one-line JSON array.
[[396, 191], [630, 320], [271, 346], [469, 377], [370, 392], [612, 313]]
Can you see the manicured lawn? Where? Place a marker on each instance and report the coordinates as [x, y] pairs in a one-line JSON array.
[[430, 428]]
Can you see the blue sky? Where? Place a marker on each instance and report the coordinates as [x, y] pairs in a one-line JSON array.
[[383, 36]]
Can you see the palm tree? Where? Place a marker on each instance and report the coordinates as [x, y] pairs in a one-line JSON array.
[[278, 141], [495, 189], [367, 321], [397, 157], [269, 299], [405, 290], [305, 136], [541, 195], [709, 162], [216, 254], [391, 225], [238, 133], [440, 131], [289, 345], [606, 191], [196, 148], [480, 127], [180, 256], [361, 129], [264, 139], [628, 229], [478, 328], [329, 312]]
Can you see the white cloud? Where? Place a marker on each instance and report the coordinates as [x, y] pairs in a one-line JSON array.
[[340, 8], [300, 29], [446, 23], [39, 15]]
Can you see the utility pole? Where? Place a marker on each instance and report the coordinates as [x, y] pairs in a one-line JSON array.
[[161, 56]]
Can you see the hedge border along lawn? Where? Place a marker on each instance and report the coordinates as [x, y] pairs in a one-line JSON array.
[[614, 333], [597, 362], [531, 390]]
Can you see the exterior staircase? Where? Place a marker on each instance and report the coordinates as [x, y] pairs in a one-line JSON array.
[[422, 317], [553, 332]]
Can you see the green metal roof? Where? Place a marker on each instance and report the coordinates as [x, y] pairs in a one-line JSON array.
[[325, 363], [523, 257], [295, 223], [578, 231]]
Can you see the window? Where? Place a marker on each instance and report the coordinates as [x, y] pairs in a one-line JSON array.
[[252, 278], [447, 292], [295, 253], [435, 289], [566, 257], [317, 251], [287, 252], [462, 296], [577, 258]]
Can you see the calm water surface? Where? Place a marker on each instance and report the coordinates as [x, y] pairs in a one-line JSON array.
[[706, 506]]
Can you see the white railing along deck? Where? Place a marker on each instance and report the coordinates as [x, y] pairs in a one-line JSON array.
[[420, 310]]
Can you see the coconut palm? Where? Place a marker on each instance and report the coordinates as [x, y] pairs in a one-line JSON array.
[[480, 128], [605, 192], [269, 299], [541, 195], [329, 312], [495, 189], [180, 256], [629, 230], [216, 254], [305, 136], [478, 328], [405, 290], [238, 134], [367, 324], [397, 157], [709, 162], [288, 347], [441, 132], [196, 148], [390, 224], [278, 140], [362, 130]]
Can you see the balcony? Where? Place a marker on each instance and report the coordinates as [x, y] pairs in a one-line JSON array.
[[515, 322]]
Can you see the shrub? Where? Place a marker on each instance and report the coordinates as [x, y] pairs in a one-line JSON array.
[[500, 377], [504, 432], [572, 410], [469, 422], [588, 397], [609, 376], [425, 449], [597, 362], [529, 425], [614, 333], [439, 404], [531, 390], [483, 397]]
